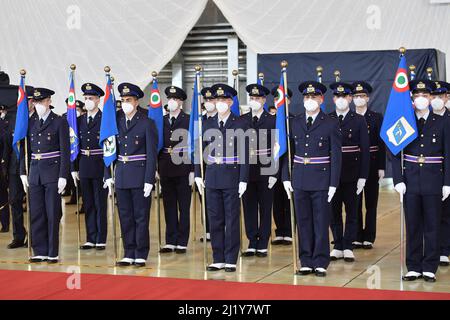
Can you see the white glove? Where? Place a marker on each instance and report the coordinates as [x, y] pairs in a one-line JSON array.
[[401, 189], [331, 192], [288, 188], [24, 179], [62, 182], [200, 185], [108, 184], [272, 181], [445, 192], [75, 176], [380, 174], [191, 178], [242, 188], [147, 189], [360, 185]]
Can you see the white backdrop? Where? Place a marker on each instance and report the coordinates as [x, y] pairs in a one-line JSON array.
[[135, 37]]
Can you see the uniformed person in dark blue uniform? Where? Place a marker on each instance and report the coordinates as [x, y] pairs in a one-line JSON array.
[[226, 178], [16, 191], [281, 206], [316, 151], [89, 169], [209, 102], [134, 175], [366, 234], [4, 212], [176, 173], [439, 101], [49, 170], [424, 184], [354, 171], [257, 200]]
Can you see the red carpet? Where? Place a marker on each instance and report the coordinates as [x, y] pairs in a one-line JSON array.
[[52, 285]]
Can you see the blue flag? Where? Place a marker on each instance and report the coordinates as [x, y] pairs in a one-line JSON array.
[[280, 146], [194, 121], [72, 120], [155, 112], [235, 106], [21, 127], [322, 106], [108, 126], [260, 82], [399, 124]]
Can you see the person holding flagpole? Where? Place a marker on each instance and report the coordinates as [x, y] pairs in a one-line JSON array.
[[49, 170], [88, 168], [422, 178], [176, 173], [137, 143]]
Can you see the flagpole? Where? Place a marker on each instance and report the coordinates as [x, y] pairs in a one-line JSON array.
[[107, 70], [72, 68], [412, 71], [241, 215], [157, 188], [284, 65], [402, 209], [23, 72], [319, 71], [198, 68]]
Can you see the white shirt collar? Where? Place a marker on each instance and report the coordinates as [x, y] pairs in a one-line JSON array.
[[425, 116], [313, 117], [174, 115], [259, 114], [344, 114], [45, 116], [364, 113], [440, 113], [224, 119], [92, 115]]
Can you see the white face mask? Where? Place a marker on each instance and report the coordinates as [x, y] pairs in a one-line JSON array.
[[255, 105], [209, 106], [437, 104], [40, 109], [90, 105], [447, 104], [127, 108], [421, 103], [341, 104], [222, 107], [359, 102], [311, 105], [172, 105]]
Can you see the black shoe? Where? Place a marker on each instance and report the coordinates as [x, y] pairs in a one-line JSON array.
[[180, 251], [123, 264], [261, 254], [303, 272], [248, 254], [100, 248], [230, 269], [287, 242], [166, 250], [87, 247], [411, 278], [16, 244], [4, 230], [52, 261], [429, 279], [357, 246], [444, 264], [278, 242], [207, 239], [320, 273], [367, 246], [211, 268], [37, 260], [139, 264]]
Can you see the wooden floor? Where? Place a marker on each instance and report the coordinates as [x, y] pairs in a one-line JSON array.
[[377, 268]]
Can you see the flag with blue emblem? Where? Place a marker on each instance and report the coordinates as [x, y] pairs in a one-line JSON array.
[[399, 124], [194, 120], [319, 79], [72, 120], [235, 106], [21, 126], [155, 112], [280, 146], [108, 126], [261, 82]]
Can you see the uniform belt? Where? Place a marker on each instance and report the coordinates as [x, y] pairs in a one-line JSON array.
[[374, 148], [134, 157], [422, 159], [260, 152], [351, 149], [311, 160], [170, 149], [47, 155], [222, 160], [93, 152]]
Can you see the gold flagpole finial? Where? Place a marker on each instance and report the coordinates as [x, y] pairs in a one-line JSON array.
[[235, 73], [154, 74], [402, 50], [337, 75], [284, 64], [73, 67], [23, 72], [198, 68], [107, 69], [261, 75]]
